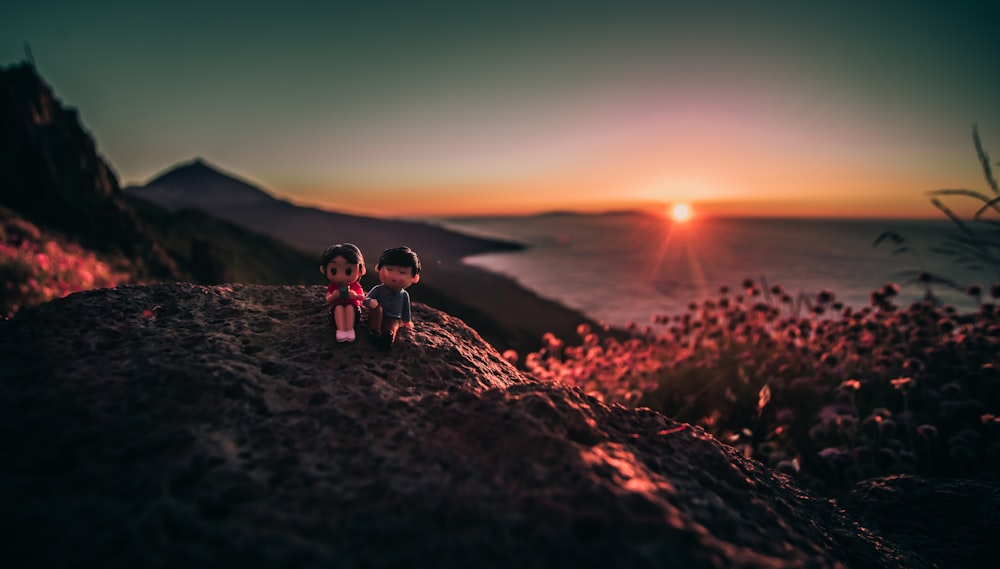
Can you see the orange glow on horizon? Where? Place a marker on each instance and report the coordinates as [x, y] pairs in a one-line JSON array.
[[622, 189], [916, 209]]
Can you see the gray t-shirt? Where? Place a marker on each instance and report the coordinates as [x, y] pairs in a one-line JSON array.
[[394, 304]]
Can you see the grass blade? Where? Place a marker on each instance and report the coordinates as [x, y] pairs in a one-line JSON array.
[[984, 159]]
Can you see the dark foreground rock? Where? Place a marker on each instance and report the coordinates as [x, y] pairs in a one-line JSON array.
[[188, 426], [954, 523]]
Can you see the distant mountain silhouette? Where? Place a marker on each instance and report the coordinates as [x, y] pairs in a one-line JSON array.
[[499, 309], [198, 185]]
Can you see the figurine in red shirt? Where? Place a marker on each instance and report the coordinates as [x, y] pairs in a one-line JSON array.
[[343, 265]]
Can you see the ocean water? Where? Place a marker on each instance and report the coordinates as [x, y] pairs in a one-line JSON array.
[[628, 267]]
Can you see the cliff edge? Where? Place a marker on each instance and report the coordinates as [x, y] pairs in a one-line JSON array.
[[188, 426]]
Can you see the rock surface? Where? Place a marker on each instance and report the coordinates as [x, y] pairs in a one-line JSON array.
[[953, 522], [188, 426]]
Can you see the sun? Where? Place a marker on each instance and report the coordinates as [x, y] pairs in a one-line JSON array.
[[680, 212]]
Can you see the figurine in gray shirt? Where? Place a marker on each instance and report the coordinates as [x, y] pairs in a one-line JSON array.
[[389, 303]]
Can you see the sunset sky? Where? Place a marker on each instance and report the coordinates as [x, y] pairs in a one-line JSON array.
[[419, 108]]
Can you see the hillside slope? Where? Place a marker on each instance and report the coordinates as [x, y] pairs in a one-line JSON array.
[[53, 178]]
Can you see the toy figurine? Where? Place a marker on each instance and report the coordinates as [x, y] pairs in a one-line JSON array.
[[389, 303], [343, 265]]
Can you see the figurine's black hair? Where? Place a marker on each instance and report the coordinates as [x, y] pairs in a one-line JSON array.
[[348, 251], [399, 257]]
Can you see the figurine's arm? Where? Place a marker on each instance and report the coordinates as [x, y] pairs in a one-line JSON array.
[[337, 293], [355, 295], [370, 300]]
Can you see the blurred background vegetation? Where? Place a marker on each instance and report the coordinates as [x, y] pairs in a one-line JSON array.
[[829, 394]]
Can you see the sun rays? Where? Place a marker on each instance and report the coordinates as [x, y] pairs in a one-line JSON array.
[[678, 239]]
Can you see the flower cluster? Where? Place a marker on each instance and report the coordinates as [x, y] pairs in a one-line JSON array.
[[612, 370], [35, 268], [829, 393]]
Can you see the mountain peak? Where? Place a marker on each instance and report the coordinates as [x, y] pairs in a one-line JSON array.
[[200, 185], [196, 166], [198, 162]]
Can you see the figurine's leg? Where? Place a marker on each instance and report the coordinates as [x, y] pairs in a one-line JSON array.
[[349, 317], [388, 337], [344, 317], [349, 314], [393, 326], [375, 319]]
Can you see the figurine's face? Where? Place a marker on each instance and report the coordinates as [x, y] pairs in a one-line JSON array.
[[342, 272], [397, 278]]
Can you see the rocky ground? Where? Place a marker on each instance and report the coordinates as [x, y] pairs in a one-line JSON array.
[[187, 426]]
